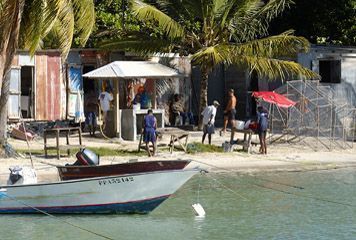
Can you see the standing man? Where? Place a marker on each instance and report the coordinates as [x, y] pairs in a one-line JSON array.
[[230, 111], [105, 98], [149, 131], [262, 125], [91, 111], [209, 114]]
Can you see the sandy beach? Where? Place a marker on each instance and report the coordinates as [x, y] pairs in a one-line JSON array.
[[280, 157]]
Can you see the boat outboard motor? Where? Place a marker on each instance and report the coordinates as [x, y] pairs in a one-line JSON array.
[[86, 157], [21, 175], [15, 175]]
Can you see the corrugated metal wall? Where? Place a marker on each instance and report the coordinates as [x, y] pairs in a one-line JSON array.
[[48, 86], [41, 82], [53, 87]]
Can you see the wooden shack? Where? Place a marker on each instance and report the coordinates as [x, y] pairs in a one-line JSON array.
[[37, 87]]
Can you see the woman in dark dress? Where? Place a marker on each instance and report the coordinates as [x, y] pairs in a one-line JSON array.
[[262, 125], [149, 131]]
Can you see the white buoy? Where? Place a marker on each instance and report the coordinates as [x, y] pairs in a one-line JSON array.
[[199, 210]]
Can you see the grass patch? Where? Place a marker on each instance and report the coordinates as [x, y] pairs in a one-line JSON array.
[[196, 147], [101, 151]]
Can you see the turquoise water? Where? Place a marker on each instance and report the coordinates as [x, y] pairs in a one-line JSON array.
[[237, 207]]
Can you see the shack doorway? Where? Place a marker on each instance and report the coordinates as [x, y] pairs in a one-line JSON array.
[[90, 87], [27, 93], [90, 84]]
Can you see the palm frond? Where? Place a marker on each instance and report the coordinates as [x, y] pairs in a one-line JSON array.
[[62, 17], [211, 56], [273, 8], [272, 68], [246, 57], [226, 11], [253, 19], [84, 15], [64, 28], [141, 45], [6, 14], [148, 12], [282, 45], [33, 24], [178, 9]]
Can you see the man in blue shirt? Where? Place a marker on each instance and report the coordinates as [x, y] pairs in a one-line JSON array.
[[149, 131], [262, 122]]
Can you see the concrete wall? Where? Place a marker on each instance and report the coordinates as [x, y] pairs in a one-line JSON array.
[[346, 90]]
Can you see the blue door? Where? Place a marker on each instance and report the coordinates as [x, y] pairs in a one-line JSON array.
[[75, 85]]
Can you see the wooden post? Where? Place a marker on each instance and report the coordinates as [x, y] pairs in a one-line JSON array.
[[45, 142], [154, 102], [57, 144], [80, 136], [67, 137], [117, 108]]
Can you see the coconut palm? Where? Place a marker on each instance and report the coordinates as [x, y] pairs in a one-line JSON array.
[[217, 32], [25, 23]]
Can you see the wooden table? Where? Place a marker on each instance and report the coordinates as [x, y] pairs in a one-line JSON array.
[[247, 141], [56, 132], [178, 140], [181, 139]]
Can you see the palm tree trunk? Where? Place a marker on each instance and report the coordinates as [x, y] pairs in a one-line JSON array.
[[3, 105], [203, 95], [9, 37]]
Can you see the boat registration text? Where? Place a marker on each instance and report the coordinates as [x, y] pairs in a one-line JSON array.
[[115, 180]]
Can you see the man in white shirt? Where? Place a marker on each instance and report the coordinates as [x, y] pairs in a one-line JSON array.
[[209, 114], [105, 98]]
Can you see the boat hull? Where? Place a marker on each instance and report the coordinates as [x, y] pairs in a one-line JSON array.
[[131, 193], [79, 172]]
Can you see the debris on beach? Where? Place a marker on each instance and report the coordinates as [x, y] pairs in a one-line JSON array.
[[19, 133]]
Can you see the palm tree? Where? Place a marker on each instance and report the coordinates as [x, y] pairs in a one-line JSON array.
[[25, 23], [217, 32]]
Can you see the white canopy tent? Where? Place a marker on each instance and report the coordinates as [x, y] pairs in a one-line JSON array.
[[130, 70], [133, 69]]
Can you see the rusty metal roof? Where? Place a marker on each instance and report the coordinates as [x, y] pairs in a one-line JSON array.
[[133, 69]]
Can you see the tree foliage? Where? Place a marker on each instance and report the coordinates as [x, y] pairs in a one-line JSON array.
[[56, 21], [216, 32], [26, 24], [321, 21], [114, 20]]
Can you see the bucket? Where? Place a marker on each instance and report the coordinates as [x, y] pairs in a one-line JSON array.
[[227, 147], [240, 125]]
